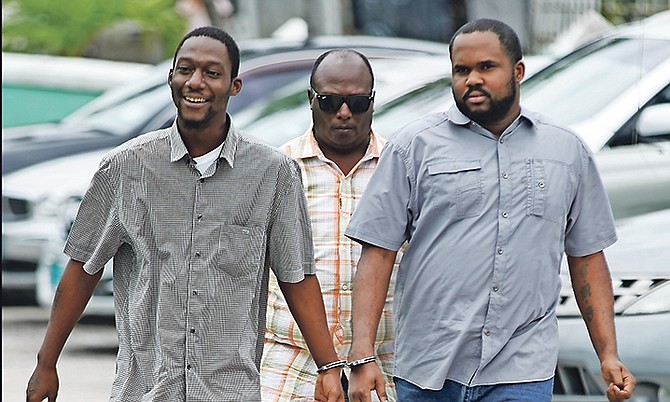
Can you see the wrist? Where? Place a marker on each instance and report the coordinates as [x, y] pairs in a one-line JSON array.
[[359, 362], [329, 366]]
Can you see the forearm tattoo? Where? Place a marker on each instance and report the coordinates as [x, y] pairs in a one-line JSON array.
[[584, 295]]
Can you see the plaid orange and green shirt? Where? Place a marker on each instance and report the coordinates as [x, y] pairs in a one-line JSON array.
[[331, 200]]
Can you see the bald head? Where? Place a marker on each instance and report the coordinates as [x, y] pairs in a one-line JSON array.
[[339, 56]]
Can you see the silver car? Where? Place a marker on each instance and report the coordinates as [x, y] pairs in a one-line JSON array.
[[640, 267], [615, 93]]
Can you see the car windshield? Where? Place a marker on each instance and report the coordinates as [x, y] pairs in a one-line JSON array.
[[429, 98], [565, 91]]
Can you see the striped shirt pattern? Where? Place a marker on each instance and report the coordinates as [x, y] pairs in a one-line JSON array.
[[192, 255], [288, 371]]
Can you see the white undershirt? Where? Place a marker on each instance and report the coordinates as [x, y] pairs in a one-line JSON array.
[[202, 163]]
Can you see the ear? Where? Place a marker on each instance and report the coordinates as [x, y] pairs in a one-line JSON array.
[[519, 71], [236, 86], [169, 77]]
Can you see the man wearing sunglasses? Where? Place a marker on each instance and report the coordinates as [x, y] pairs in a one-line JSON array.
[[337, 156]]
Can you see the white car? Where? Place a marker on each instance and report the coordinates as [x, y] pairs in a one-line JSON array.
[[615, 93], [640, 266]]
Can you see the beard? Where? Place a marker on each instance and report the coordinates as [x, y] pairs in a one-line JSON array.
[[497, 110]]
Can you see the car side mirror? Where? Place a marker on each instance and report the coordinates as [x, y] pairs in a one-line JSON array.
[[654, 121]]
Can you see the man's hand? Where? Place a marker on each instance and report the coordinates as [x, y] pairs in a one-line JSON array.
[[43, 384], [329, 386], [366, 378], [620, 382]]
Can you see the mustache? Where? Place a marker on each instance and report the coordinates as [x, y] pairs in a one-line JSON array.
[[476, 88]]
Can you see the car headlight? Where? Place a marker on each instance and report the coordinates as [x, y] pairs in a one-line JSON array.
[[654, 302]]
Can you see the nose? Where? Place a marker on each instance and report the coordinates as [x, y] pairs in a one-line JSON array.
[[474, 78], [196, 79], [344, 112]]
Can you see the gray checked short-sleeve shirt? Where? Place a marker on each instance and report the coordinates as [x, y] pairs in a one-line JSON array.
[[487, 221], [192, 255]]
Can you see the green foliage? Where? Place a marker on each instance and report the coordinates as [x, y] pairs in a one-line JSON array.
[[64, 28], [623, 11]]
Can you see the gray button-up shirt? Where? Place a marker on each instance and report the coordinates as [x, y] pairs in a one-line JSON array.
[[191, 259], [488, 220]]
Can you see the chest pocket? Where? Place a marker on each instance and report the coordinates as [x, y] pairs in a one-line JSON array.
[[550, 187], [460, 184], [240, 249]]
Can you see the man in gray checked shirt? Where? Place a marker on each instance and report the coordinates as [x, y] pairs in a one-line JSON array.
[[194, 216]]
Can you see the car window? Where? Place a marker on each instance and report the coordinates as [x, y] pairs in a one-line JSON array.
[[566, 91], [431, 97], [280, 119], [628, 134], [260, 85]]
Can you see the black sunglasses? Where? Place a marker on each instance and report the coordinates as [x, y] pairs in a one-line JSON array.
[[356, 103]]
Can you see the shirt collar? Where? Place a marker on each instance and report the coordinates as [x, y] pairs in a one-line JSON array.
[[307, 147], [456, 117], [178, 149]]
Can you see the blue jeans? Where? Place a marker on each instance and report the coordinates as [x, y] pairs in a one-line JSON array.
[[539, 391]]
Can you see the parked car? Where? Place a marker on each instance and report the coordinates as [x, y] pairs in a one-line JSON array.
[[146, 105], [640, 267], [34, 94], [29, 212], [615, 92]]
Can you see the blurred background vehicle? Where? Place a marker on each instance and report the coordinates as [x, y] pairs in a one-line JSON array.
[[146, 105], [640, 267], [615, 93], [33, 188], [34, 93]]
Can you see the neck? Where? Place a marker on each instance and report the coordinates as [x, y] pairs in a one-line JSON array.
[[200, 140]]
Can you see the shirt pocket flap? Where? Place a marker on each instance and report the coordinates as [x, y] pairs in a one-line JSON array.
[[453, 166]]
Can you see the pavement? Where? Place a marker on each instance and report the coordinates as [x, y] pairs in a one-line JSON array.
[[86, 367]]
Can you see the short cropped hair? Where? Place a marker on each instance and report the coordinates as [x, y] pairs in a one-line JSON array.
[[506, 35], [220, 35]]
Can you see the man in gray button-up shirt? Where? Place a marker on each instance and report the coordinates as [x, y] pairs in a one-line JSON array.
[[489, 197], [194, 216]]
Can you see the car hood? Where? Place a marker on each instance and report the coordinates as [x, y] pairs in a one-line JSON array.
[[26, 146], [642, 248], [57, 179]]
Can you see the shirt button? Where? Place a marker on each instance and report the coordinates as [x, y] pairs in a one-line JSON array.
[[540, 184], [495, 288], [345, 287], [501, 140], [192, 330], [505, 175], [201, 180], [500, 251], [487, 333], [188, 367], [199, 216], [195, 293], [505, 215], [197, 254]]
